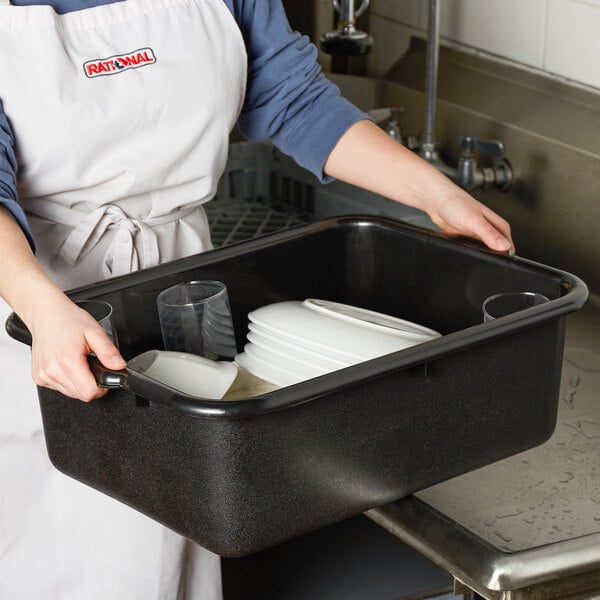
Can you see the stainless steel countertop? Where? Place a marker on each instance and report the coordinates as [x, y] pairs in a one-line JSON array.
[[527, 520]]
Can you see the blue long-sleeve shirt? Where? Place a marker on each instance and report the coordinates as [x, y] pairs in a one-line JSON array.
[[288, 100]]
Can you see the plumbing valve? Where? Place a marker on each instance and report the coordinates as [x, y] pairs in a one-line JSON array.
[[470, 176], [346, 39], [393, 128], [389, 119]]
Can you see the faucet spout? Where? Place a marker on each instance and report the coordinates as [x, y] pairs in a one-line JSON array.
[[431, 75], [468, 174], [429, 146]]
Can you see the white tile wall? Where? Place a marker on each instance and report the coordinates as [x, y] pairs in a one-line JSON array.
[[513, 29], [573, 40], [561, 37]]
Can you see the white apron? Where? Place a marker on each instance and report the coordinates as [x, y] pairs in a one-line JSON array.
[[121, 115]]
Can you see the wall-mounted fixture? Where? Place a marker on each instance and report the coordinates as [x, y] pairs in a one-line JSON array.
[[468, 174], [347, 41]]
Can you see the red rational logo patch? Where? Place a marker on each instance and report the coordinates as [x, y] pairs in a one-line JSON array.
[[119, 63]]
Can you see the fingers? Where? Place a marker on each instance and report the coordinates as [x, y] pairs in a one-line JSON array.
[[107, 353], [71, 376], [501, 230], [492, 235], [463, 215], [63, 366]]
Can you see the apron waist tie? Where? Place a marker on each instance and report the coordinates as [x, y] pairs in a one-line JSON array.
[[88, 228]]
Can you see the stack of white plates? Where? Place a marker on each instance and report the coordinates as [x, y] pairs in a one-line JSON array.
[[289, 342]]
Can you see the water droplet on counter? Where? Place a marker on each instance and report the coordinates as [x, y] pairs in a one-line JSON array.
[[575, 380], [511, 514], [502, 536], [569, 398], [586, 427], [566, 477]]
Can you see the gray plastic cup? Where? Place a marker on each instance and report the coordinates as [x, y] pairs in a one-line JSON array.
[[103, 313], [500, 305], [195, 317]]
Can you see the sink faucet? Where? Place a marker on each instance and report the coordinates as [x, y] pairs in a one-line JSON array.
[[468, 174]]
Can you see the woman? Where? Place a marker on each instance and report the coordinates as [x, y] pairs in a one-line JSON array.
[[114, 127]]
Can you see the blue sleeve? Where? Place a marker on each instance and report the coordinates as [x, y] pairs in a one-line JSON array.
[[288, 99], [8, 176]]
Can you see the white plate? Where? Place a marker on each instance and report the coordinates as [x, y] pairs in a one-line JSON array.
[[304, 356], [291, 367], [262, 371], [372, 320], [296, 323], [341, 355], [191, 374]]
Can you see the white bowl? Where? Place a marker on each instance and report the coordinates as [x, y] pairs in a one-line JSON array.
[[372, 320], [190, 373], [295, 322]]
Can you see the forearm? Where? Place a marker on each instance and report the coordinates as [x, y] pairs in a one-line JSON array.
[[23, 283], [8, 175], [366, 157]]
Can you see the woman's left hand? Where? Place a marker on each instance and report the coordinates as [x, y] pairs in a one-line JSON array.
[[367, 157], [458, 213]]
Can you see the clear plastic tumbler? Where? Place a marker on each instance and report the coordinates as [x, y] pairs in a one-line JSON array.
[[195, 317], [500, 305], [103, 313]]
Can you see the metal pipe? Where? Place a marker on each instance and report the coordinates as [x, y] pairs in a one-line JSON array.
[[468, 174], [347, 12], [433, 51], [347, 9]]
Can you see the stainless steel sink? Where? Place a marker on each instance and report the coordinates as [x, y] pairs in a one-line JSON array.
[[527, 527]]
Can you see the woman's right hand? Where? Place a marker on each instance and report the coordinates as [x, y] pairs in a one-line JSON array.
[[63, 336]]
